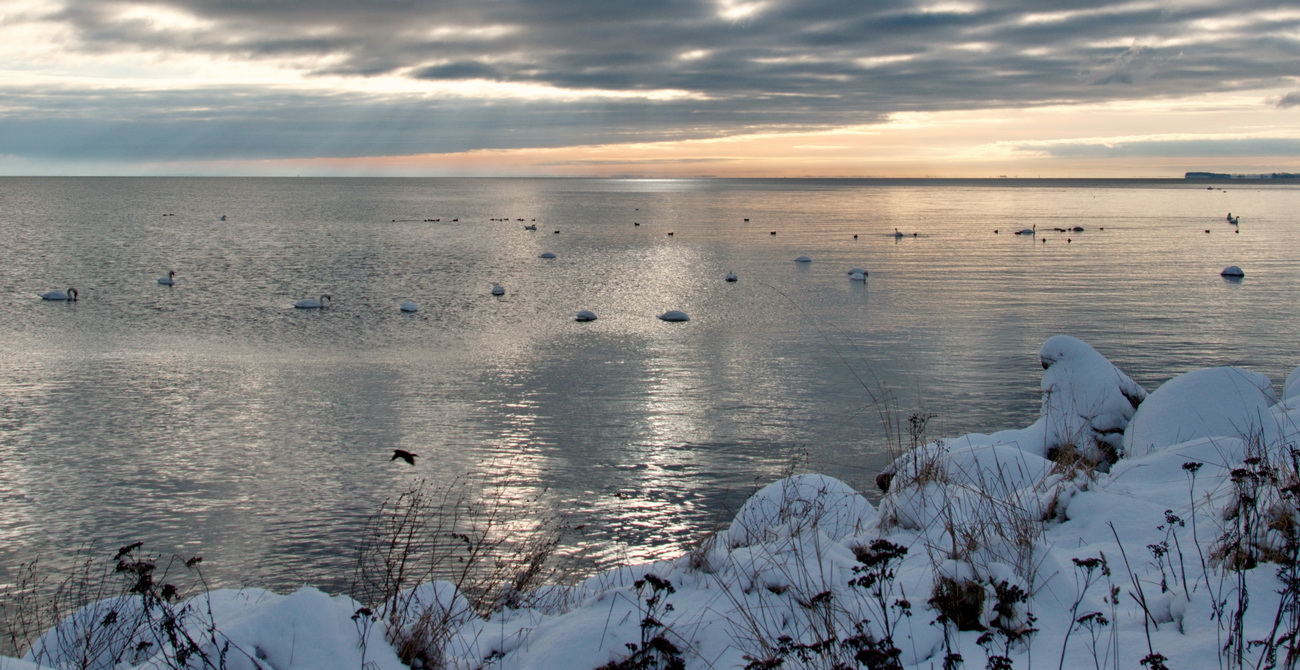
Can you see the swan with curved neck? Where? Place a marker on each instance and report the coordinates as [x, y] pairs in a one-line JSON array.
[[69, 295], [169, 280]]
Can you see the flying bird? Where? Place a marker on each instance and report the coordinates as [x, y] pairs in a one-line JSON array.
[[404, 455]]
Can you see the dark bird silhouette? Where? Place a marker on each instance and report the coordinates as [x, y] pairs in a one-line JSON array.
[[404, 455]]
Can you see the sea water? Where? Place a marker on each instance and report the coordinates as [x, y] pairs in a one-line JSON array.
[[213, 418]]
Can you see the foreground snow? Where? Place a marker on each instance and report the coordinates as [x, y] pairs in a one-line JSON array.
[[1119, 527]]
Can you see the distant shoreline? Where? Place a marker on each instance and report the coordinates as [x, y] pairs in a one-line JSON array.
[[1225, 175]]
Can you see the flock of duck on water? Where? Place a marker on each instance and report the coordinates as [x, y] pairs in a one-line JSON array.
[[856, 274]]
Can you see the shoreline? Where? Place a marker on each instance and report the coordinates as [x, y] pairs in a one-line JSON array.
[[1155, 528]]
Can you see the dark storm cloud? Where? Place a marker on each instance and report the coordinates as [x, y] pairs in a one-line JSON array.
[[788, 65]]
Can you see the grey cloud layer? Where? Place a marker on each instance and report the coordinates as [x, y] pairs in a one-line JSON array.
[[792, 64]]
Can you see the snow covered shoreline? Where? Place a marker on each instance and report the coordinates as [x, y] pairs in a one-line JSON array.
[[1122, 529]]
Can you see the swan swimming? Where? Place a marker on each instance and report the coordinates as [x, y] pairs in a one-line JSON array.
[[309, 303], [169, 280], [1028, 231], [69, 295], [498, 290], [897, 234], [409, 306]]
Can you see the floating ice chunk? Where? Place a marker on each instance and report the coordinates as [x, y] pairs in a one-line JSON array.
[[547, 254], [803, 259], [1087, 402], [409, 306], [585, 315], [675, 315], [1232, 271], [1212, 402]]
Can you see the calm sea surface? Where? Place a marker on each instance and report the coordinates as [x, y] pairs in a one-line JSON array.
[[213, 418]]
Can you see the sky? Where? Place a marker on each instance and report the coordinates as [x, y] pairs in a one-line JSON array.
[[649, 88]]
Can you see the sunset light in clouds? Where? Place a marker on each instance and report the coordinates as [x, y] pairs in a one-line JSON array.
[[710, 88]]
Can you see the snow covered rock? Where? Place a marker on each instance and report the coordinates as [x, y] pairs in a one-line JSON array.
[[239, 629], [1087, 401], [1291, 389], [793, 504], [1211, 402]]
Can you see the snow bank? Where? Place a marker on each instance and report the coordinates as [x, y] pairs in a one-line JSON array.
[[1164, 530], [246, 629], [1214, 402]]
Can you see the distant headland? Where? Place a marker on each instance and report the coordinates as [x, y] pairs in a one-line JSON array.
[[1225, 175]]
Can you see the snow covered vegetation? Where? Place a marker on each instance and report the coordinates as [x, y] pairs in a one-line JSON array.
[[1122, 529]]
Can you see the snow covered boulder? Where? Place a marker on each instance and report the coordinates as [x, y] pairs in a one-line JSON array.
[[1212, 402], [791, 505], [428, 618], [1087, 401], [1291, 389], [245, 629], [92, 637], [305, 629], [938, 485]]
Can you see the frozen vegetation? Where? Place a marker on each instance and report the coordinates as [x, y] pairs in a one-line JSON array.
[[1122, 529]]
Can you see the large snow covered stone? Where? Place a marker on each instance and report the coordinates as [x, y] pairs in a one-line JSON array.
[[791, 505], [940, 485], [1212, 402], [1291, 388], [1087, 401]]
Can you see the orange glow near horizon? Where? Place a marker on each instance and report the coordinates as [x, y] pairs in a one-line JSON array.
[[982, 143]]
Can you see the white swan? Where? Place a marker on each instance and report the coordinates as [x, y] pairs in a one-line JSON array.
[[308, 303], [858, 276], [857, 271], [409, 306], [1028, 231], [69, 295], [675, 315], [585, 315], [531, 226], [498, 290], [897, 234], [169, 280]]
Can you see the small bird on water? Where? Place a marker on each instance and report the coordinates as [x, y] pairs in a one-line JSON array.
[[404, 455]]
